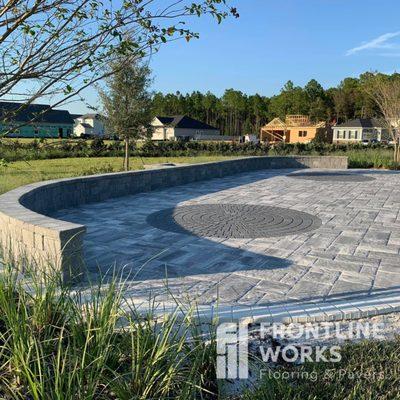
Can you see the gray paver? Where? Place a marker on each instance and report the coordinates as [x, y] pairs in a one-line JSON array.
[[356, 250]]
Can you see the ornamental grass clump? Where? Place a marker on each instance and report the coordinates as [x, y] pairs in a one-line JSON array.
[[60, 343]]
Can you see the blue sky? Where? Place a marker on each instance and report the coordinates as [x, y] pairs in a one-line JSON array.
[[277, 40]]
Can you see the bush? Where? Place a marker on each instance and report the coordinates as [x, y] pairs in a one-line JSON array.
[[97, 145], [180, 148]]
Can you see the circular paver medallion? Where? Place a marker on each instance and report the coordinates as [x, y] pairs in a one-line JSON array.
[[331, 176], [233, 221]]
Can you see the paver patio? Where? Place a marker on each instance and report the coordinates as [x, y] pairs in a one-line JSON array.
[[354, 253]]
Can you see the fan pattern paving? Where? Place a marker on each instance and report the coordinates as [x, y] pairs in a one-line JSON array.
[[233, 220]]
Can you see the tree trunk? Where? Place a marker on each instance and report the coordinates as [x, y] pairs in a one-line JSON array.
[[396, 152], [126, 158]]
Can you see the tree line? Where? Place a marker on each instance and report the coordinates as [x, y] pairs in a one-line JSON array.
[[130, 106], [236, 113]]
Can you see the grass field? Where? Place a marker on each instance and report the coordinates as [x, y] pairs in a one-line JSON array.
[[23, 172]]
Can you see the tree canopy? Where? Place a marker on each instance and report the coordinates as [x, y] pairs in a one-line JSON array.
[[237, 113], [54, 49], [127, 103]]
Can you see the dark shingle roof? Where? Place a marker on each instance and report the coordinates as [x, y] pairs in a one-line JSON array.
[[10, 111], [185, 122], [362, 123], [166, 120]]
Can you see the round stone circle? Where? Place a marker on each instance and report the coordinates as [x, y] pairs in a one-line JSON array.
[[332, 176], [233, 221]]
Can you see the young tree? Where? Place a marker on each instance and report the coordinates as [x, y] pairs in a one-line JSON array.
[[385, 91], [127, 103], [54, 49]]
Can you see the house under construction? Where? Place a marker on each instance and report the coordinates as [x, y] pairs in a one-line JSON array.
[[295, 129]]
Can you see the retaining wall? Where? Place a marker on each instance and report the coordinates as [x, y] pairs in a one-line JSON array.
[[30, 236]]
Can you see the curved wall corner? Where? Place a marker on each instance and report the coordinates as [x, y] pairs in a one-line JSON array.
[[28, 236]]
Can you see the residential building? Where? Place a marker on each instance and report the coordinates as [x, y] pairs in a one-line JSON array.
[[34, 120], [361, 130], [182, 127], [89, 125], [295, 129]]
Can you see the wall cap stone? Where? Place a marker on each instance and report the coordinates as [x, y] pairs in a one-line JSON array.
[[24, 209]]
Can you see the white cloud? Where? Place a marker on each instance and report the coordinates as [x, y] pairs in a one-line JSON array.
[[381, 42]]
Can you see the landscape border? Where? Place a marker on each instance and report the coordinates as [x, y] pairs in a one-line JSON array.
[[30, 236]]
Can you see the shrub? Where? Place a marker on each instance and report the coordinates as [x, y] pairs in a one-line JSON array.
[[97, 145]]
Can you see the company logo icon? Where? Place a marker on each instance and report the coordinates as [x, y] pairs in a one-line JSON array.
[[232, 351]]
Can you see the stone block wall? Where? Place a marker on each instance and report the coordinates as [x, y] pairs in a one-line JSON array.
[[29, 236]]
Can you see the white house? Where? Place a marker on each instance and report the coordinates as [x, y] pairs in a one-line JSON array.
[[182, 127], [88, 125], [360, 130]]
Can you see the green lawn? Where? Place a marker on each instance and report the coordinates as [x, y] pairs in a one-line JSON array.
[[23, 172]]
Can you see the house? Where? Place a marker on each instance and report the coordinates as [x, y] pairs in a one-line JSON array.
[[88, 125], [295, 129], [361, 130], [182, 127], [34, 120]]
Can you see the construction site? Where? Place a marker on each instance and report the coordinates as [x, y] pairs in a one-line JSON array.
[[294, 129]]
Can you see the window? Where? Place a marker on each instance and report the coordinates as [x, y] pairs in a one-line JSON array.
[[353, 134], [338, 134], [344, 134], [302, 133]]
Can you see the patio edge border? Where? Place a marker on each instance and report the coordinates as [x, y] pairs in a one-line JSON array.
[[29, 236]]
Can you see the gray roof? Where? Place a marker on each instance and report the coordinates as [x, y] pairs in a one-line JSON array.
[[362, 123], [91, 115], [18, 112], [185, 122]]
